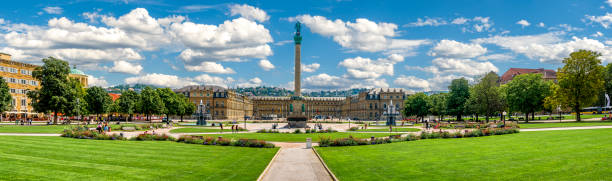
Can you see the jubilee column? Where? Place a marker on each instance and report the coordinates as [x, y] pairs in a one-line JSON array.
[[297, 38]]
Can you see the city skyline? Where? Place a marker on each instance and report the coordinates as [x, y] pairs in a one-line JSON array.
[[417, 46]]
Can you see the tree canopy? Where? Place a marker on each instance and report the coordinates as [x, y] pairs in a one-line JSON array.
[[580, 79], [98, 100], [150, 102], [128, 102], [526, 92], [486, 95], [6, 100], [54, 92], [437, 104], [416, 105], [457, 96]]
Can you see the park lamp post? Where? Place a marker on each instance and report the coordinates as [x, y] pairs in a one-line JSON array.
[[559, 111], [504, 118]]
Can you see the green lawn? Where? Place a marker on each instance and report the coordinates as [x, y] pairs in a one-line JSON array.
[[565, 124], [198, 130], [394, 130], [47, 128], [57, 158], [542, 155], [290, 137]]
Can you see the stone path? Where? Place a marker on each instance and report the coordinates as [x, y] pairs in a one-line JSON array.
[[295, 162]]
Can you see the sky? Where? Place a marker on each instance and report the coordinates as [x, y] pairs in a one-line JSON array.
[[416, 45]]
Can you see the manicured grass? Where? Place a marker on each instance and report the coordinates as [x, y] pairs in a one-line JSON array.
[[56, 158], [291, 137], [542, 155], [565, 124], [394, 130], [198, 130], [47, 128]]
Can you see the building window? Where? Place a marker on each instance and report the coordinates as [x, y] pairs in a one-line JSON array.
[[23, 103]]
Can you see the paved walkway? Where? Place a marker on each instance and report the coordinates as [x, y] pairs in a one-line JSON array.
[[566, 128], [295, 162]]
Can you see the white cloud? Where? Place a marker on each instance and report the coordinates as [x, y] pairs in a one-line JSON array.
[[361, 35], [604, 20], [483, 24], [548, 47], [496, 57], [212, 80], [161, 80], [461, 66], [541, 24], [125, 67], [455, 49], [460, 21], [53, 10], [365, 68], [96, 81], [523, 23], [234, 40], [2, 21], [428, 22], [265, 64], [254, 82], [249, 12], [597, 34], [327, 82], [310, 67], [413, 83], [609, 2], [210, 67]]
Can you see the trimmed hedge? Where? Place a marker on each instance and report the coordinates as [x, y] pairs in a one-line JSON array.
[[224, 142], [350, 141]]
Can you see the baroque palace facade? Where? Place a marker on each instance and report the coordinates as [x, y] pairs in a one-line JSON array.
[[18, 75], [226, 104]]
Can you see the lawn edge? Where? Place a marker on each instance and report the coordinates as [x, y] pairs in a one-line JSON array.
[[333, 176], [269, 165]]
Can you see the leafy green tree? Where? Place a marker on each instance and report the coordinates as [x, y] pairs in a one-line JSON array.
[[52, 96], [98, 100], [185, 107], [459, 92], [77, 105], [580, 79], [437, 104], [471, 106], [417, 105], [525, 93], [150, 102], [486, 95], [6, 100], [171, 105], [127, 103]]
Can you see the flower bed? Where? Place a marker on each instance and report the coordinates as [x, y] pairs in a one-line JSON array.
[[298, 131], [224, 142], [153, 137], [87, 134], [350, 141]]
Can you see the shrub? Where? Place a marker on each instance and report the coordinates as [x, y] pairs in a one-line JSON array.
[[267, 131], [153, 137], [297, 131], [411, 137], [324, 141], [457, 135], [445, 134], [224, 142], [353, 129]]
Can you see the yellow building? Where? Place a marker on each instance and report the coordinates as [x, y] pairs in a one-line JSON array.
[[18, 75], [220, 102]]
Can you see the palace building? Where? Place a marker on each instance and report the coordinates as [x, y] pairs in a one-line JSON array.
[[221, 103], [18, 75], [547, 74]]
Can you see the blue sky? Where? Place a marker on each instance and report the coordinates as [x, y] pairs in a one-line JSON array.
[[417, 45]]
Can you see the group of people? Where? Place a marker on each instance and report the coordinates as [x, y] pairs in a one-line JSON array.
[[103, 128], [27, 121]]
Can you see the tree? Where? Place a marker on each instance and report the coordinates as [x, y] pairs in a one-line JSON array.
[[77, 105], [171, 105], [6, 100], [185, 106], [554, 100], [416, 105], [486, 95], [580, 79], [608, 79], [150, 102], [526, 93], [471, 105], [52, 96], [457, 96], [98, 101], [437, 104], [127, 103]]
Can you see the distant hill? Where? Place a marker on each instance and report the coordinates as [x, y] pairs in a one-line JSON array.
[[120, 88], [276, 91]]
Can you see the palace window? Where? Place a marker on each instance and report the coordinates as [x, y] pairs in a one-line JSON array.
[[23, 102]]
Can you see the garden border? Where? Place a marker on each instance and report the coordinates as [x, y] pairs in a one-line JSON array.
[[333, 177]]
